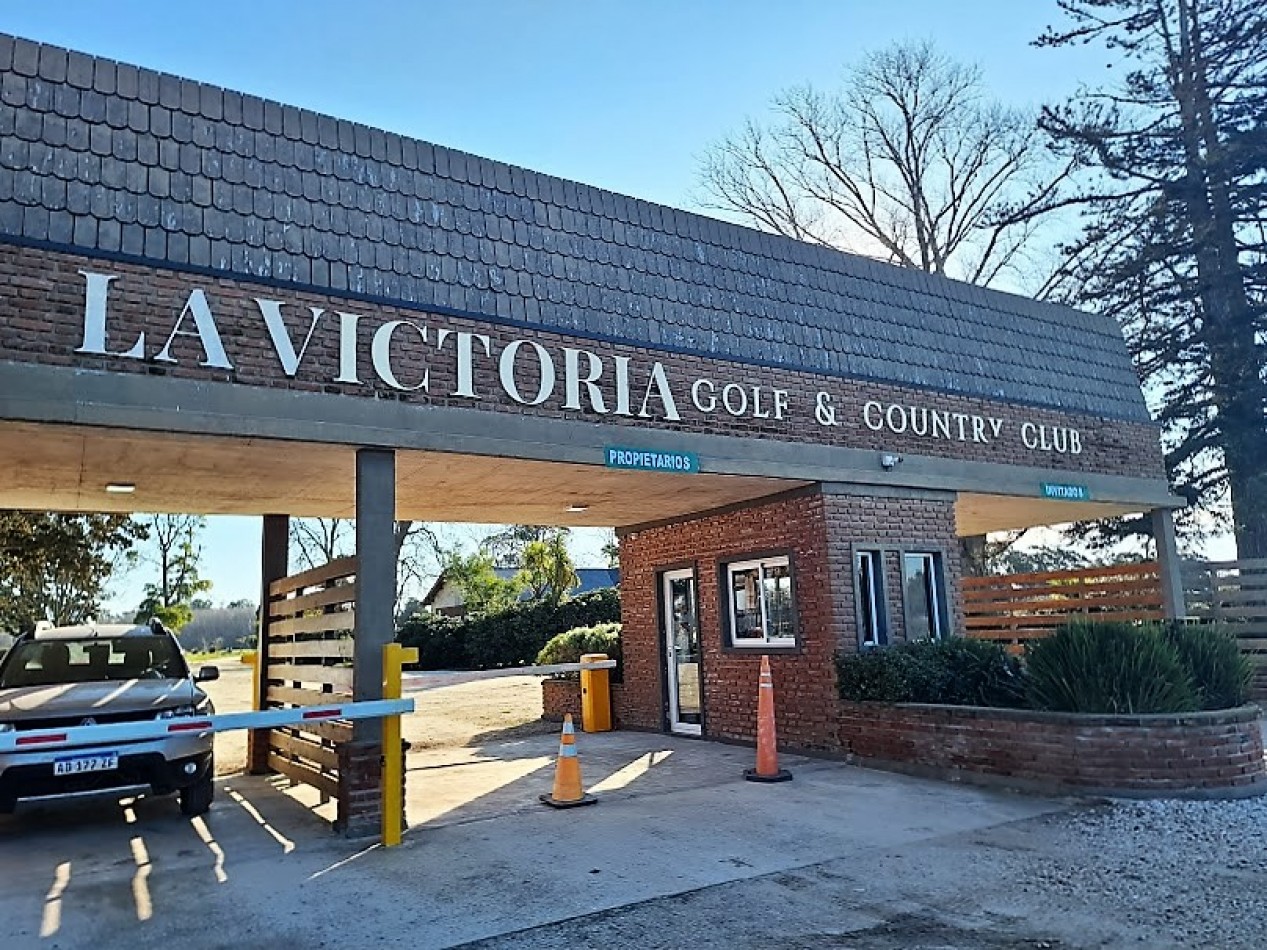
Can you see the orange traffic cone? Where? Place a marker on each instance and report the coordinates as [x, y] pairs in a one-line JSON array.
[[767, 769], [568, 791]]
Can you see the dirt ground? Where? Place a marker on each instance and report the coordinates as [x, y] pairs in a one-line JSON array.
[[466, 713]]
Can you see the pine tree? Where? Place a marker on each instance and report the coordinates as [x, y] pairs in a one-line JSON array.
[[1175, 245]]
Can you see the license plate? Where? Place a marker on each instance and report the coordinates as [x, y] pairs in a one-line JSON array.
[[97, 762]]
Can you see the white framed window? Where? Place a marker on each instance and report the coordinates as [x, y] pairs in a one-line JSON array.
[[873, 620], [759, 594], [924, 595]]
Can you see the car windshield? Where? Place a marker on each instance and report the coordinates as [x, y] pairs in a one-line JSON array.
[[91, 660]]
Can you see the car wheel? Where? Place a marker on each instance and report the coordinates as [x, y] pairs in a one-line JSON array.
[[196, 799]]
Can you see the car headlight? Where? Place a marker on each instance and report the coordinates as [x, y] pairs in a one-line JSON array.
[[7, 727], [176, 711]]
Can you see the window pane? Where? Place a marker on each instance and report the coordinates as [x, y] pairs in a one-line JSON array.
[[746, 603], [778, 601], [869, 598], [100, 659], [917, 581]]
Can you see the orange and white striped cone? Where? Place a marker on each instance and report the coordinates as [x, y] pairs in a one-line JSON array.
[[568, 791], [767, 769]]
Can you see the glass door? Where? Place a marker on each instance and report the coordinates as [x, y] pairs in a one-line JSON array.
[[682, 652]]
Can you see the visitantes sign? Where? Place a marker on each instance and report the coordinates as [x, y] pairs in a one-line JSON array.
[[650, 460], [1066, 492], [457, 363]]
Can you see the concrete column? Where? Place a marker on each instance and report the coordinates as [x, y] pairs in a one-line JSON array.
[[375, 576], [274, 564], [1168, 560], [360, 761]]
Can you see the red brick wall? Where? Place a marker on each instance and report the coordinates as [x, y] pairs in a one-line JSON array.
[[891, 525], [41, 321], [1217, 753], [360, 803], [559, 697], [804, 679]]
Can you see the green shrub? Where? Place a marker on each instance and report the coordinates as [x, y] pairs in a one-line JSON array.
[[438, 639], [1108, 668], [571, 645], [1220, 672], [876, 676], [955, 671], [514, 637], [979, 673], [510, 637]]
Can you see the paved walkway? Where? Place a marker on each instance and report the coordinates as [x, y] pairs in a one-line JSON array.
[[483, 859]]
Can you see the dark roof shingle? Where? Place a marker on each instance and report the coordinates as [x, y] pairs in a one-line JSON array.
[[174, 171]]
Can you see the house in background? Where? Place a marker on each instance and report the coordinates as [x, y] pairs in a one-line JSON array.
[[445, 596]]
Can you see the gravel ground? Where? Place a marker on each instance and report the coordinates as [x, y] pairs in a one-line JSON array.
[[1128, 874], [1192, 873]]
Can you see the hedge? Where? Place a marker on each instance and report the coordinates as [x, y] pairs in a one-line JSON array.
[[954, 671], [571, 645], [1085, 666], [512, 637]]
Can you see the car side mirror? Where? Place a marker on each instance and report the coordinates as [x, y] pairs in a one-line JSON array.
[[206, 674]]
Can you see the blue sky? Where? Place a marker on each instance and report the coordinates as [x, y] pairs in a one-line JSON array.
[[624, 95]]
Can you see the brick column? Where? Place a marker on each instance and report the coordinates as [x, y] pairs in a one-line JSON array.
[[360, 793], [274, 562]]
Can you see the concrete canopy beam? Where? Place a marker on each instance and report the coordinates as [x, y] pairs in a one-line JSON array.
[[142, 403]]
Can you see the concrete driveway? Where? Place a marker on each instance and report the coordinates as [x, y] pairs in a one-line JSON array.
[[483, 860]]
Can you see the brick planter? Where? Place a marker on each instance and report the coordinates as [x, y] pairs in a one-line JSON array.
[[559, 697], [1193, 755]]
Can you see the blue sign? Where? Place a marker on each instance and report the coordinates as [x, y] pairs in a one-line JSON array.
[[648, 460], [1066, 492]]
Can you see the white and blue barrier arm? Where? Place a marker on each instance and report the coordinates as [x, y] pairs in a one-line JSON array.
[[73, 736]]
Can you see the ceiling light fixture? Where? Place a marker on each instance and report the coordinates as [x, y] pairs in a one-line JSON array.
[[578, 508], [120, 488]]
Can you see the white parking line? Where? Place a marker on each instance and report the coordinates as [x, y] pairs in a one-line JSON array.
[[52, 920]]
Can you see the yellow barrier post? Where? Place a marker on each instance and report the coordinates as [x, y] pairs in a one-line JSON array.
[[394, 658], [257, 699], [596, 696]]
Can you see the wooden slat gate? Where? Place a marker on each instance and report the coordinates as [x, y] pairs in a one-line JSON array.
[[311, 618], [1014, 608], [1234, 594]]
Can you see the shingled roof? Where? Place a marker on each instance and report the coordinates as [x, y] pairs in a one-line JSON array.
[[109, 158]]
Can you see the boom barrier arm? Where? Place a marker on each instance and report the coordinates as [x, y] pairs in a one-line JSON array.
[[74, 736]]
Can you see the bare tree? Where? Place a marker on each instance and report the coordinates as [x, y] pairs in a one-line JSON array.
[[908, 162], [317, 541], [178, 558], [418, 553]]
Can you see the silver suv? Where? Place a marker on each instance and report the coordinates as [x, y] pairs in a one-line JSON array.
[[75, 676]]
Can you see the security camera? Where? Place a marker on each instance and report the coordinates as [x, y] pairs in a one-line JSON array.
[[888, 461]]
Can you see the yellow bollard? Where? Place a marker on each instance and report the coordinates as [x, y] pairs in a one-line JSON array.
[[394, 658], [596, 696], [257, 688]]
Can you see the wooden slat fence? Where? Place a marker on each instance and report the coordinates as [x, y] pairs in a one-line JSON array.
[[1014, 608], [1233, 594], [311, 618]]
